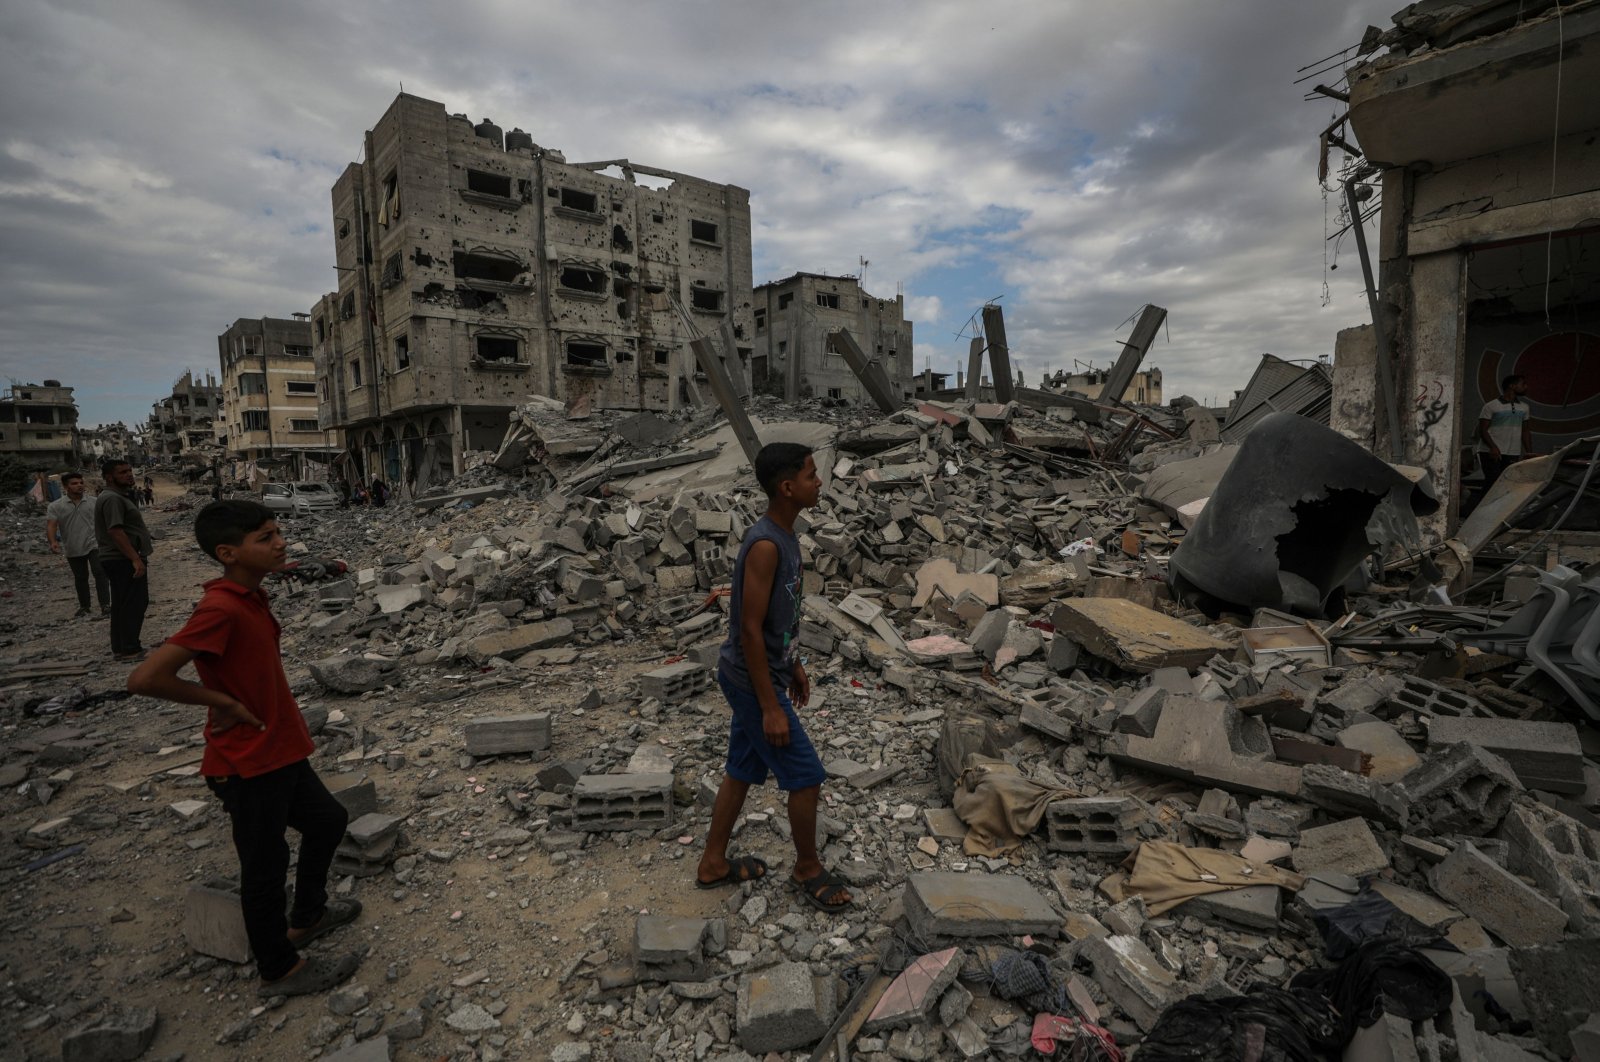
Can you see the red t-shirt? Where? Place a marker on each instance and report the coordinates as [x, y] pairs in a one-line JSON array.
[[234, 637]]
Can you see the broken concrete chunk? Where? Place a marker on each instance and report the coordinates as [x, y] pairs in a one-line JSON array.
[[783, 1007], [508, 734], [1543, 755], [949, 905], [1460, 789], [1212, 743], [513, 643], [911, 996], [118, 1037], [1390, 756], [1134, 637], [353, 674], [1347, 847], [213, 921], [1513, 911], [1132, 977]]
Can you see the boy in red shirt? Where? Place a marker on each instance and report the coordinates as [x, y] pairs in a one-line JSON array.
[[257, 750]]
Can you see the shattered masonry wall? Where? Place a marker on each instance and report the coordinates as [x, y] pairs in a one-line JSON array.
[[264, 348], [792, 339], [487, 265]]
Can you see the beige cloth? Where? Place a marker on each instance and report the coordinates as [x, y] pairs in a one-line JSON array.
[[1000, 807], [1167, 874]]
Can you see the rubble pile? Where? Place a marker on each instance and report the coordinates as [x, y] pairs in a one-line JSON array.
[[1076, 813]]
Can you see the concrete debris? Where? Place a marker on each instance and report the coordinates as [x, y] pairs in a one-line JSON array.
[[511, 693]]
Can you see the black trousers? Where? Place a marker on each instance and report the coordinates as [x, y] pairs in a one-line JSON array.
[[81, 569], [263, 808], [129, 599]]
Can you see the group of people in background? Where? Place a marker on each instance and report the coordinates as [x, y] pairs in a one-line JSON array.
[[104, 538], [377, 495]]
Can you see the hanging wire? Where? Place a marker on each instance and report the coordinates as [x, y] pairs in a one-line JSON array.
[[1555, 143]]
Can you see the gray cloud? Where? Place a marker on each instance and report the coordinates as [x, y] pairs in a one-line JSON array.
[[165, 166]]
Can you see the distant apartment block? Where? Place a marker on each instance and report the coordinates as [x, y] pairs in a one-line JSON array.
[[39, 425], [793, 319], [186, 420], [477, 268], [269, 398], [1144, 389]]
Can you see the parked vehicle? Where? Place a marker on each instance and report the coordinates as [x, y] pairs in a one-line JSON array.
[[298, 499]]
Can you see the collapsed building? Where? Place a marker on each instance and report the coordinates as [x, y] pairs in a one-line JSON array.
[[1475, 124], [477, 268], [795, 354], [185, 421]]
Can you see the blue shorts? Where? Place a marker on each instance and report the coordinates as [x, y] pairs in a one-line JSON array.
[[795, 766]]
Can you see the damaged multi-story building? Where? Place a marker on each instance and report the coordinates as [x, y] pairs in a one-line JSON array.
[[477, 268], [269, 416], [795, 355], [39, 425], [1478, 126], [186, 420], [1144, 388]]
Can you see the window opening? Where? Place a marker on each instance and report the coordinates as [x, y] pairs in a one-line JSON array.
[[255, 420], [300, 387], [347, 306], [502, 269], [582, 278], [252, 383], [488, 183], [761, 321], [828, 300], [402, 352], [662, 355], [500, 349], [702, 232], [298, 424], [585, 202], [785, 299], [585, 354], [355, 372], [705, 300]]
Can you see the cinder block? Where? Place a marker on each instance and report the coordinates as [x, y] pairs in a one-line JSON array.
[[675, 682], [213, 921], [1132, 977], [1543, 755], [1513, 911], [783, 1007], [1562, 856], [1038, 718], [670, 948], [1461, 789], [1429, 698], [1094, 825], [508, 734], [355, 791], [622, 802], [1142, 714]]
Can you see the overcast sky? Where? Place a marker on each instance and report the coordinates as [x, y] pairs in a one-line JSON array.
[[166, 164]]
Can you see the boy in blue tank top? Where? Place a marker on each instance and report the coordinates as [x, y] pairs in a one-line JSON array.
[[759, 674]]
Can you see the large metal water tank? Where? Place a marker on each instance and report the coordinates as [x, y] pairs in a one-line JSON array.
[[517, 140]]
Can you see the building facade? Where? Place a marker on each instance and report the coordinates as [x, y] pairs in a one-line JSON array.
[[186, 420], [1144, 389], [1479, 136], [477, 268], [269, 398], [39, 425], [793, 319]]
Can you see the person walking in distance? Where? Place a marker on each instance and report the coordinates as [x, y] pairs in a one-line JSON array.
[[1503, 430], [69, 528], [124, 552]]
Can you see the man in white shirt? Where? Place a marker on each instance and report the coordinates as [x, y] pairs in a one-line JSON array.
[[69, 528], [1503, 429]]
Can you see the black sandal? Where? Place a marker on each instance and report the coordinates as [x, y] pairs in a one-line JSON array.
[[740, 869], [823, 891], [336, 914]]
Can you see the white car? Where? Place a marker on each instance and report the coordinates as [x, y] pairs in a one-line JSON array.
[[298, 499]]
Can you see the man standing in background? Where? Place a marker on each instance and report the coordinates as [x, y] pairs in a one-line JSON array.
[[69, 528], [1503, 429], [124, 547]]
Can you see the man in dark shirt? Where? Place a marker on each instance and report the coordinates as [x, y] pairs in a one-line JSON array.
[[124, 551]]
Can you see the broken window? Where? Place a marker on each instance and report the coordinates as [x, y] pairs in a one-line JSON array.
[[300, 387], [703, 232], [294, 350], [347, 306], [391, 199], [783, 347], [488, 183], [659, 219], [662, 355], [584, 279], [254, 420], [583, 202], [391, 271], [705, 300], [488, 265], [322, 329], [619, 239], [252, 383], [761, 321], [785, 299], [503, 350], [836, 392], [827, 300], [472, 299], [298, 424], [586, 354], [355, 372], [402, 352]]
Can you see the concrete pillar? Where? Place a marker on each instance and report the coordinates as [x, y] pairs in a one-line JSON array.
[[1355, 413], [458, 443], [974, 369], [1433, 368]]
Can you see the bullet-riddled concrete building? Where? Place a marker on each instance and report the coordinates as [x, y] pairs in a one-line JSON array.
[[39, 425], [269, 398], [186, 420], [795, 316], [477, 268]]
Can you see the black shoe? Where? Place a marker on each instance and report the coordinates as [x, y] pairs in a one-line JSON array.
[[82, 612]]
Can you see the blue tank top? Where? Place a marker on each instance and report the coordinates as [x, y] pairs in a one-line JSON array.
[[780, 628]]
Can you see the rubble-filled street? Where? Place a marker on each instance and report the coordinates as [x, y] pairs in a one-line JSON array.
[[1075, 813]]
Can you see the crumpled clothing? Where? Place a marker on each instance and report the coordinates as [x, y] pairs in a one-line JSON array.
[[1001, 807], [1080, 1040], [1167, 874]]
